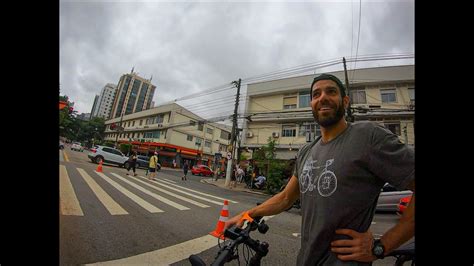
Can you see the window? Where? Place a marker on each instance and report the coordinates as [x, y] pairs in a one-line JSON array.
[[222, 147], [289, 102], [133, 135], [110, 150], [288, 131], [304, 99], [141, 121], [200, 126], [411, 94], [394, 127], [309, 127], [209, 130], [198, 141], [133, 123], [189, 138], [388, 95], [159, 119], [225, 135], [152, 134], [207, 144], [357, 96]]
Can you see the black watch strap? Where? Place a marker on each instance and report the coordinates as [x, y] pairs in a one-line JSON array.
[[378, 249]]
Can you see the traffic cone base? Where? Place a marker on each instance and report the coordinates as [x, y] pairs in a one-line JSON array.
[[219, 231]]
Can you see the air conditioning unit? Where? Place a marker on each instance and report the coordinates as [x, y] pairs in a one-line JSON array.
[[249, 134], [275, 134]]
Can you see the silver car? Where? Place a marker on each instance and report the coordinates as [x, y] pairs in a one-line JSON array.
[[107, 155], [390, 197], [76, 146]]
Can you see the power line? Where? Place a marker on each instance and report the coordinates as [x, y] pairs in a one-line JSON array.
[[358, 38], [352, 28]]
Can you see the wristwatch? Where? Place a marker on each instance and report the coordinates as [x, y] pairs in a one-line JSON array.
[[378, 249]]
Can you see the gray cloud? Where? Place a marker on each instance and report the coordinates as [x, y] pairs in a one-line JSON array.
[[190, 47]]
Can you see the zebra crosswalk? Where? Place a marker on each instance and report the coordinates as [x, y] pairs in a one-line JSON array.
[[147, 194], [69, 204], [112, 206]]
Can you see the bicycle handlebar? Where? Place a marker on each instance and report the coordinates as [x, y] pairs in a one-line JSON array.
[[239, 236]]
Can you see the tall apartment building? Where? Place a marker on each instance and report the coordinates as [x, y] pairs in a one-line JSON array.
[[134, 94], [94, 106], [105, 101], [280, 109]]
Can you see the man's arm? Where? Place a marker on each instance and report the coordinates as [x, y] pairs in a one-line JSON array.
[[273, 205], [359, 248]]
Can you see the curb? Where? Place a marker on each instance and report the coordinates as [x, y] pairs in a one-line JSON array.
[[244, 190]]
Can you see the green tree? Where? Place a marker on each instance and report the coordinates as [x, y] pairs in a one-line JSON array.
[[67, 122], [125, 148], [272, 168], [71, 127]]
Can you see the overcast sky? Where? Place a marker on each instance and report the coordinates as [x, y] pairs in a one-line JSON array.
[[194, 46]]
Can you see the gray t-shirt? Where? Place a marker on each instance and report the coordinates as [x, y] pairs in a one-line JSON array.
[[340, 182]]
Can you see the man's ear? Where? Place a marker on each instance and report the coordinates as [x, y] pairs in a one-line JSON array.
[[346, 101]]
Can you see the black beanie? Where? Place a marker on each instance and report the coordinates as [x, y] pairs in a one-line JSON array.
[[330, 77]]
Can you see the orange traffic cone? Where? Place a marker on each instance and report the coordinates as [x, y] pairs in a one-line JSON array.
[[99, 167], [219, 231]]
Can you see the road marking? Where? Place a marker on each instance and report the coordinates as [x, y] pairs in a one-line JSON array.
[[296, 234], [174, 195], [61, 157], [144, 204], [65, 156], [195, 191], [172, 254], [111, 205], [68, 200], [186, 193], [158, 197], [168, 255], [171, 181]]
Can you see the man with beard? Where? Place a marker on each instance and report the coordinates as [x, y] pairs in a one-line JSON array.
[[338, 178]]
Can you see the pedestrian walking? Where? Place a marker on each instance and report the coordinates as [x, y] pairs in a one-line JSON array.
[[185, 170], [132, 162], [240, 174], [152, 166]]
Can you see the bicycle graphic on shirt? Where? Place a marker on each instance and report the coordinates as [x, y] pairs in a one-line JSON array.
[[326, 183]]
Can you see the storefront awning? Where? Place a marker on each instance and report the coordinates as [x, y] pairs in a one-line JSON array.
[[166, 153]]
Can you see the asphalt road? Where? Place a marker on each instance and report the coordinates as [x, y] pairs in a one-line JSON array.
[[112, 218]]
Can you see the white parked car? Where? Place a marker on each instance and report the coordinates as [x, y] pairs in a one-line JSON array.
[[107, 155], [76, 146]]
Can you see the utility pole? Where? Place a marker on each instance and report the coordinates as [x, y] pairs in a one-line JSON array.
[[233, 134], [350, 118]]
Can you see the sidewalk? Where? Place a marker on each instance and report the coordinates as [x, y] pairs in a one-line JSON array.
[[241, 187]]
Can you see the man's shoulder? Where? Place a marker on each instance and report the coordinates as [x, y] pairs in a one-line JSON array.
[[365, 125], [376, 129]]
